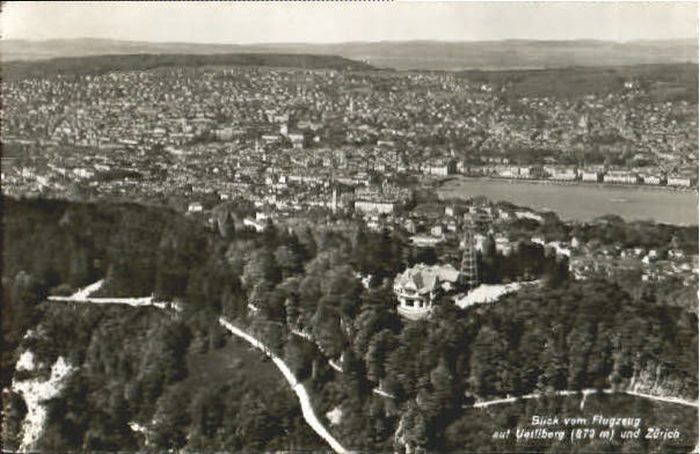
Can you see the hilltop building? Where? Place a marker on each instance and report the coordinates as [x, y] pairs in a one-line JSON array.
[[418, 287]]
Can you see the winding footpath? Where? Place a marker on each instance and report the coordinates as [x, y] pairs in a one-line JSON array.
[[83, 296], [298, 388], [335, 366]]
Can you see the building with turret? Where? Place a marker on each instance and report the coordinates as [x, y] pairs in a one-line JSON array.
[[418, 287]]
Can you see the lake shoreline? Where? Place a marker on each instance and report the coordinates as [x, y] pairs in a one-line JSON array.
[[613, 186], [580, 202]]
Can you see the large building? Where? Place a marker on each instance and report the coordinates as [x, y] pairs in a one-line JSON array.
[[383, 200], [440, 168], [376, 206], [417, 287], [591, 176], [682, 180], [620, 176], [561, 173]]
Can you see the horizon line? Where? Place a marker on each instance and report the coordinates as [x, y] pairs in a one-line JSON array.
[[393, 41]]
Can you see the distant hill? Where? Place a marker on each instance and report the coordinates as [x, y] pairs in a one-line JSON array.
[[109, 63], [663, 82], [402, 55]]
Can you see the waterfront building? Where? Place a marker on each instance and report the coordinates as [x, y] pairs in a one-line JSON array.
[[652, 179], [620, 177], [561, 174], [681, 181], [440, 168], [590, 176]]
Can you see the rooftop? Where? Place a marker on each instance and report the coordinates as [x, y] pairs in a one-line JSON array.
[[424, 279]]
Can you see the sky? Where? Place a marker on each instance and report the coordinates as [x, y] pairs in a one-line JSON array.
[[319, 22]]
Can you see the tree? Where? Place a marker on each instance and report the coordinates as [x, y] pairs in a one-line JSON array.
[[402, 366], [580, 342], [25, 293], [378, 351], [288, 260], [308, 243], [299, 354], [354, 378], [413, 430], [171, 419], [225, 223], [554, 375], [255, 426], [326, 330], [487, 362], [206, 413], [444, 386], [260, 267]]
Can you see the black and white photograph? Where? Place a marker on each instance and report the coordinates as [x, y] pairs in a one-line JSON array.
[[402, 227]]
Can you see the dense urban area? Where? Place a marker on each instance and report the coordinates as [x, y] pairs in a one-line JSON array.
[[301, 208], [262, 131]]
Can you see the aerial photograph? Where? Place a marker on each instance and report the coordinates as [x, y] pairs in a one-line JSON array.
[[378, 227]]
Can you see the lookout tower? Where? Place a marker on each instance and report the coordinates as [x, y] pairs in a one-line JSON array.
[[469, 270]]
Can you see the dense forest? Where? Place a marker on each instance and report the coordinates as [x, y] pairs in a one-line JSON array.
[[103, 64], [562, 335], [143, 365]]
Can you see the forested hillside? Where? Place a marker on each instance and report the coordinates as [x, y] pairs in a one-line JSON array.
[[180, 378], [400, 55], [287, 286], [664, 82], [102, 64]]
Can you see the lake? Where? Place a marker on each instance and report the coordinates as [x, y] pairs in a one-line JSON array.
[[583, 202]]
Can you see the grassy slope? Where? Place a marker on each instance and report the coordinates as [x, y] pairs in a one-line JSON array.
[[216, 367]]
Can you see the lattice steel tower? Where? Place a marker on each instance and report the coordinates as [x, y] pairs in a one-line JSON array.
[[470, 267]]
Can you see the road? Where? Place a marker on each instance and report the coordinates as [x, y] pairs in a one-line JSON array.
[[298, 388], [307, 409], [83, 296]]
